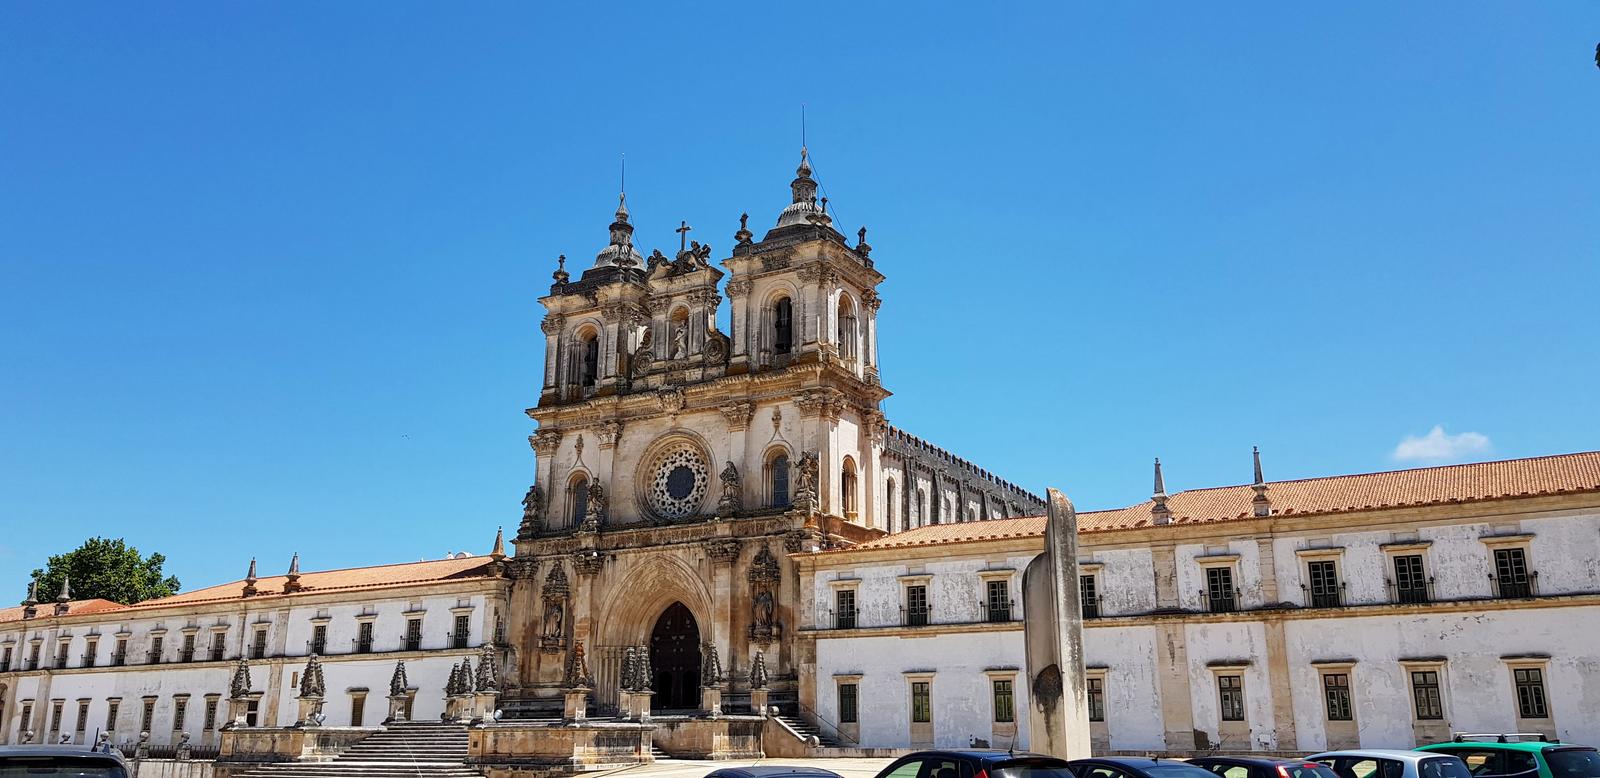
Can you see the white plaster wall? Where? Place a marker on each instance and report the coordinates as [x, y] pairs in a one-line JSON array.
[[1566, 552], [1192, 577], [961, 697], [956, 593], [1132, 697], [1126, 581], [1230, 642], [1477, 682]]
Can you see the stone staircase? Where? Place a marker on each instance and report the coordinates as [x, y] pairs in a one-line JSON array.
[[807, 730], [413, 749]]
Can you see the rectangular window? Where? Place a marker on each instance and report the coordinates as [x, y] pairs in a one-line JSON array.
[[1410, 585], [921, 711], [1324, 577], [252, 713], [1336, 693], [187, 654], [1511, 573], [82, 724], [147, 716], [917, 606], [1230, 694], [847, 704], [319, 639], [459, 639], [33, 657], [56, 708], [90, 648], [120, 657], [999, 601], [61, 653], [219, 645], [258, 645], [413, 634], [1530, 693], [1425, 690], [1220, 594], [364, 638], [112, 707], [180, 706], [155, 656], [845, 608], [27, 714], [211, 714], [358, 706], [1089, 596], [1097, 699], [1004, 707], [5, 661]]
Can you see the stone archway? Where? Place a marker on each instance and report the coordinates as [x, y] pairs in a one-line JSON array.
[[675, 659]]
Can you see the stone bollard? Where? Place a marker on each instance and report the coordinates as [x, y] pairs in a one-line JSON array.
[[576, 705], [711, 701], [397, 708], [758, 701]]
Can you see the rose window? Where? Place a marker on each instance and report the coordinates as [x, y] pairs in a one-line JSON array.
[[678, 483]]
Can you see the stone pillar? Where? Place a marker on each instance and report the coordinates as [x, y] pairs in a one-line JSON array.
[[397, 708], [308, 708], [711, 701], [239, 710], [575, 708], [758, 701], [1058, 722], [641, 705]]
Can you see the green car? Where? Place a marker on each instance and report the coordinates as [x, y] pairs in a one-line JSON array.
[[1513, 756]]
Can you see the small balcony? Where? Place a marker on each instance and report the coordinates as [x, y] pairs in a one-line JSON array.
[[914, 617], [186, 655], [845, 619], [152, 657], [998, 611], [217, 654], [458, 640], [362, 646], [1091, 607], [412, 643], [1514, 587], [119, 659], [1324, 597], [1413, 593], [88, 660], [1220, 601]]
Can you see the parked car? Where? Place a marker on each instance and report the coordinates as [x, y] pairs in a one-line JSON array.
[[772, 771], [975, 763], [1384, 763], [1262, 767], [1135, 767], [76, 761], [1523, 756]]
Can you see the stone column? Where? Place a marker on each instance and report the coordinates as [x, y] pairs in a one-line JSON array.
[[1058, 722]]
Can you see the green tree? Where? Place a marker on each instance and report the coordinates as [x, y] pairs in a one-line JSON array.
[[107, 569]]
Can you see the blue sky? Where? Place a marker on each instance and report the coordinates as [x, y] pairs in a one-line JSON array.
[[268, 272]]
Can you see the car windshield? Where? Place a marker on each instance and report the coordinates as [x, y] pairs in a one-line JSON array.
[[1031, 768], [1443, 767], [1178, 770], [1573, 762], [1310, 770], [20, 766]]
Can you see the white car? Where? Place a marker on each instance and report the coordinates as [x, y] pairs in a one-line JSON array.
[[1385, 763]]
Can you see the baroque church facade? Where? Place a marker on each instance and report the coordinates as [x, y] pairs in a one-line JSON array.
[[680, 465]]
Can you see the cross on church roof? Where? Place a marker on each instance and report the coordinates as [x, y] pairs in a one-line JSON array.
[[683, 236]]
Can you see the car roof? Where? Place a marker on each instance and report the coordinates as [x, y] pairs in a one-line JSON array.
[[988, 754], [758, 771], [1520, 745], [1264, 761], [1129, 761], [84, 752], [1377, 753]]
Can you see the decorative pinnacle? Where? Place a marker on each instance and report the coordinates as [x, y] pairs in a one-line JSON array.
[[33, 590], [1260, 505], [1255, 453], [561, 275], [294, 565], [622, 207], [1161, 486], [250, 577], [499, 550], [1159, 513], [66, 589], [804, 171]]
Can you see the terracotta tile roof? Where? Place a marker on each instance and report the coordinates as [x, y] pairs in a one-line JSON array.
[[427, 571], [73, 608], [1508, 479]]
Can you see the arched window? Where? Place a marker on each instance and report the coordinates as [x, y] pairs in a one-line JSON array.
[[847, 488], [578, 497], [847, 329], [589, 369], [778, 479], [888, 513], [782, 326]]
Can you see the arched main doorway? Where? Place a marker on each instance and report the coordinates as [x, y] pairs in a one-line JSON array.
[[675, 657]]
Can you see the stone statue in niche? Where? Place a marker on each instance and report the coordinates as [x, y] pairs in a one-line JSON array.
[[680, 340], [730, 489], [596, 512], [553, 634], [764, 575], [642, 355], [554, 617], [763, 609]]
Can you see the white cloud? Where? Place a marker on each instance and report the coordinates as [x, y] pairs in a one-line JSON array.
[[1438, 446]]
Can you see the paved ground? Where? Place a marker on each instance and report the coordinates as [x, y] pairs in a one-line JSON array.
[[691, 768]]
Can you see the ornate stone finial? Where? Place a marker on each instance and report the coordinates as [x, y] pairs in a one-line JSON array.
[[66, 589], [594, 515], [1259, 505], [561, 275], [488, 669], [577, 675], [532, 513], [31, 602], [862, 247], [239, 687], [312, 684], [803, 188], [710, 666], [758, 672], [293, 583], [743, 236], [644, 675], [499, 551], [250, 579], [630, 667], [805, 478], [398, 683], [1159, 513], [730, 501]]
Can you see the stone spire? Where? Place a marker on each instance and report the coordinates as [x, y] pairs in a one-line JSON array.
[[499, 551], [1159, 514], [620, 251], [1259, 504], [292, 585], [31, 602], [488, 678], [65, 596], [398, 683], [710, 666], [250, 579], [239, 687], [644, 672], [630, 667], [803, 209], [577, 676], [758, 672], [312, 684]]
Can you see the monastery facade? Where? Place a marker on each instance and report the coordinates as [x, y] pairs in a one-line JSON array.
[[735, 505]]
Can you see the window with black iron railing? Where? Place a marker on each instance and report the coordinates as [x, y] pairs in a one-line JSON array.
[[1220, 599], [997, 604], [915, 612], [363, 638], [458, 636], [1410, 584], [413, 636], [1511, 578], [1088, 596], [119, 658], [844, 612], [1323, 590]]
